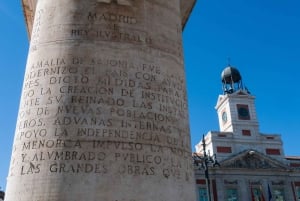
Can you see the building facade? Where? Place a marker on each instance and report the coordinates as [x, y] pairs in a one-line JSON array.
[[251, 165]]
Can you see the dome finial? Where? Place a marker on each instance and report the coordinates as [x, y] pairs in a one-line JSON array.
[[228, 61]]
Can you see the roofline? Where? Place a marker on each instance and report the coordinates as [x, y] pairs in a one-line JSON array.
[[292, 158]]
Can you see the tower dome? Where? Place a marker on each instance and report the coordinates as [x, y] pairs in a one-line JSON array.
[[232, 80], [230, 74]]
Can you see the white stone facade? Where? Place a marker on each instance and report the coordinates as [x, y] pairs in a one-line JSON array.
[[251, 162]]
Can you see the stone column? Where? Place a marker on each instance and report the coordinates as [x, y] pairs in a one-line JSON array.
[[103, 113]]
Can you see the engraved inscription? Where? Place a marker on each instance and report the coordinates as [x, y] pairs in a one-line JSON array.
[[111, 18], [128, 106]]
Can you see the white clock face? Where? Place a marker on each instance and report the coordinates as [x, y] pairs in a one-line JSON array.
[[224, 117]]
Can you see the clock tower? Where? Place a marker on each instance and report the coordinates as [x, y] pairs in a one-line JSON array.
[[240, 162], [235, 107], [239, 127]]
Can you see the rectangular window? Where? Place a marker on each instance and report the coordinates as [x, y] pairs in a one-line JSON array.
[[224, 149], [246, 132], [201, 181], [257, 194], [295, 165], [278, 195], [231, 194], [203, 194], [298, 193], [273, 151], [243, 112]]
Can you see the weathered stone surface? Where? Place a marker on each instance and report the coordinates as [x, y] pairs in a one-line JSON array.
[[103, 113], [29, 6]]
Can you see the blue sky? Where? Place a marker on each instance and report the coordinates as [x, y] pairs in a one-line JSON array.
[[262, 38]]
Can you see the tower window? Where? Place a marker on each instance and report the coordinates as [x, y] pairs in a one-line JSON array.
[[243, 112]]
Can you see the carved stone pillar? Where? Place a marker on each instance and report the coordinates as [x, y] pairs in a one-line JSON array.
[[103, 113]]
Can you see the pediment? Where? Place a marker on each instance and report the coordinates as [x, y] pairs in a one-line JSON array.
[[251, 159], [240, 92]]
